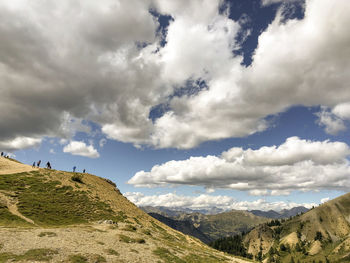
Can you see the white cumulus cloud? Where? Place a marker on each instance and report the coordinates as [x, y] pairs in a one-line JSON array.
[[342, 110], [331, 122], [107, 66], [275, 170], [19, 143], [205, 201], [81, 149]]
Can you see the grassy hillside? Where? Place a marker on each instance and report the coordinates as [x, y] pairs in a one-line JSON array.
[[48, 215], [320, 235]]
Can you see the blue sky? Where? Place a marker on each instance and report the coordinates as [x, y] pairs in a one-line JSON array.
[[234, 104]]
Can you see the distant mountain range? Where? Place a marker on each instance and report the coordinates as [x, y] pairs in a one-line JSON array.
[[285, 213], [175, 212], [170, 211], [211, 224]]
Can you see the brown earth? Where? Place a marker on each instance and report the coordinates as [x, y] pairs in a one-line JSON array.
[[8, 166]]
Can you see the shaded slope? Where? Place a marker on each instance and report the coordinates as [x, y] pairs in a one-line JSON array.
[[185, 227]]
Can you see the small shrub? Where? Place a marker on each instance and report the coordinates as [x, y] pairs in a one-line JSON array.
[[318, 236], [111, 251], [140, 240], [77, 259], [146, 232], [129, 228], [77, 178], [4, 257], [110, 182], [125, 239], [283, 247], [98, 259], [47, 234]]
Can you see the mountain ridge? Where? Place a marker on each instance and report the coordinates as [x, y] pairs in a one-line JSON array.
[[320, 235], [285, 213]]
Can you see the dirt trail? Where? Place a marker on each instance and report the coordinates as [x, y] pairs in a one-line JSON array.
[[11, 204], [8, 166]]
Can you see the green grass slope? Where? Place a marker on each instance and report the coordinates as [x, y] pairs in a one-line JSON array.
[[56, 216]]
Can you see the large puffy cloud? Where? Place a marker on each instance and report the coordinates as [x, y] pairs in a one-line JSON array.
[[205, 201], [81, 149], [304, 61], [295, 165], [103, 62], [296, 62], [19, 143], [80, 60], [342, 110]]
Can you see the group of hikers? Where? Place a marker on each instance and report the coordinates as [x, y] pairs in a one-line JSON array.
[[48, 166], [37, 164], [4, 155], [74, 168]]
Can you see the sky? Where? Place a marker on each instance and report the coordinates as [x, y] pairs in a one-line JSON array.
[[235, 104]]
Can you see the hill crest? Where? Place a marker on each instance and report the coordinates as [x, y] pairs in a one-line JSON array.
[[83, 216]]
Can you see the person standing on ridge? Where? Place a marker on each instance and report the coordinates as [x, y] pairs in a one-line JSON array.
[[48, 165], [74, 167], [38, 164], [83, 171], [34, 165], [2, 154]]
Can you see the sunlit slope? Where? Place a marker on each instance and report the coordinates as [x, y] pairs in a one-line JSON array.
[[49, 215], [320, 234], [9, 166]]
